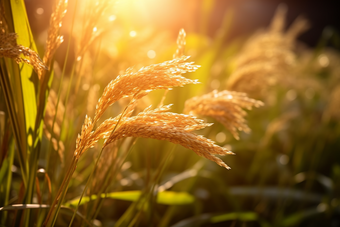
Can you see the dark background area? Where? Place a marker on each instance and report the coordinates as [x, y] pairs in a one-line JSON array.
[[253, 14], [249, 15]]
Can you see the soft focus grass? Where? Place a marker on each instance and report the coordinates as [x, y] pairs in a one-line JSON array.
[[286, 171]]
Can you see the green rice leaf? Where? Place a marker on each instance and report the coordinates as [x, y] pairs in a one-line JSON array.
[[242, 216], [164, 197], [25, 38]]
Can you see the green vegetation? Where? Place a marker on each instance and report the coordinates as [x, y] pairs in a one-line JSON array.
[[128, 164]]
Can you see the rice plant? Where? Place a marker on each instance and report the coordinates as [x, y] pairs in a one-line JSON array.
[[98, 121]]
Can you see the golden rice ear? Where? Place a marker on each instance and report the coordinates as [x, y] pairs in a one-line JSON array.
[[54, 39], [172, 127], [299, 26], [267, 58], [180, 44], [157, 76], [179, 53], [155, 124], [82, 140], [90, 28], [136, 85], [10, 49], [279, 21], [226, 107]]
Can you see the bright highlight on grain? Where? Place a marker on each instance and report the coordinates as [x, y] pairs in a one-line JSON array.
[[39, 11], [112, 18], [133, 33], [151, 54], [94, 29]]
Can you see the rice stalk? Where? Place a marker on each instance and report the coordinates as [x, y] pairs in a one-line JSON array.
[[91, 29]]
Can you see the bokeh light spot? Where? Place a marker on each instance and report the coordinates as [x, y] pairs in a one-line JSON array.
[[215, 84], [39, 11], [151, 54], [112, 18], [220, 137], [291, 95], [323, 60], [283, 159], [133, 33]]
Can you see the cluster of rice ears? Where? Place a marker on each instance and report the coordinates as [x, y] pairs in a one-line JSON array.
[[37, 114]]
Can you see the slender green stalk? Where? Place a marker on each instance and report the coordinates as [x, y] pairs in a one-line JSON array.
[[108, 179], [87, 184], [150, 196], [60, 88], [7, 91], [95, 167], [8, 183], [53, 212]]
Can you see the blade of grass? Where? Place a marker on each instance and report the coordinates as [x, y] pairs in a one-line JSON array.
[[7, 180], [164, 197], [109, 178], [173, 209], [15, 119], [152, 194], [56, 205], [130, 216], [28, 78], [29, 83], [204, 219], [39, 206]]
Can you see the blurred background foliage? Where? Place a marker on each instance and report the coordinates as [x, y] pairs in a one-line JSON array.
[[286, 172]]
